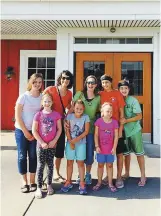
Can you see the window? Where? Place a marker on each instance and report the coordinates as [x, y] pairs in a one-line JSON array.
[[113, 40], [44, 65], [133, 71]]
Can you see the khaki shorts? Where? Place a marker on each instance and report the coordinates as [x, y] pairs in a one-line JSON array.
[[134, 144]]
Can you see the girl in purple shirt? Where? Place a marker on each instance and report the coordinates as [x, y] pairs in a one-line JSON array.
[[46, 129], [106, 139]]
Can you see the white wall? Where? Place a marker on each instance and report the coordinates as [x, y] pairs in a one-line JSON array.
[[109, 10], [66, 48]]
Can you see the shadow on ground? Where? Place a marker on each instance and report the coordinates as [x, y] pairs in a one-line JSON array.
[[131, 190]]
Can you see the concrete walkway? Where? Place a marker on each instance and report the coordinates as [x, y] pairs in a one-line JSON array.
[[131, 200]]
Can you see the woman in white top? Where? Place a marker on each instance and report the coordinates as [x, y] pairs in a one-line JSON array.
[[27, 105]]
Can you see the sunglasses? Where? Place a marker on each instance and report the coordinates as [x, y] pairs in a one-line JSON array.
[[92, 83], [65, 78]]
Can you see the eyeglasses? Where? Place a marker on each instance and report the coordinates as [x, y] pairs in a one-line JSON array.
[[65, 78], [90, 82]]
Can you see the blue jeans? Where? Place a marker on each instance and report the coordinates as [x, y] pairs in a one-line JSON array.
[[25, 147], [89, 149]]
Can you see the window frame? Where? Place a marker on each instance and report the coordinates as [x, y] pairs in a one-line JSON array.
[[24, 55]]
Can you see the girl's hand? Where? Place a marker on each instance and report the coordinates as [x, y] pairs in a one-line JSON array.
[[28, 136], [72, 146], [123, 121], [113, 151], [73, 141], [44, 145], [52, 144], [98, 150]]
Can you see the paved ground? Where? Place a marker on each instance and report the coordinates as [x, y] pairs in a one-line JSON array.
[[131, 200]]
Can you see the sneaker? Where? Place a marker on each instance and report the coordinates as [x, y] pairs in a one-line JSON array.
[[119, 183], [77, 181], [67, 186], [82, 190], [38, 193], [50, 190], [88, 179]]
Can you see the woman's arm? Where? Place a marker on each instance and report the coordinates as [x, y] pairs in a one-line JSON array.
[[85, 133], [67, 131], [53, 143], [115, 141], [96, 140], [18, 117]]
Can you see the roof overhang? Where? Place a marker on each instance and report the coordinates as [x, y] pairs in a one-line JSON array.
[[49, 27]]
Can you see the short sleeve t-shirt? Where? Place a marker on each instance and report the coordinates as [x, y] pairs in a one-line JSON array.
[[77, 126], [31, 105], [116, 99], [91, 108], [57, 102], [47, 125], [106, 134], [131, 109]]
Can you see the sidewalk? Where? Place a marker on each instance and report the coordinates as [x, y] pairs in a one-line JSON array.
[[131, 200]]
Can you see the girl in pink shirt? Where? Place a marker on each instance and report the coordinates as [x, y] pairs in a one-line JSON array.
[[46, 129], [106, 139]]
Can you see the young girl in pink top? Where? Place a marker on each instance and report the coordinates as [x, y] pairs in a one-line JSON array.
[[106, 139], [46, 129]]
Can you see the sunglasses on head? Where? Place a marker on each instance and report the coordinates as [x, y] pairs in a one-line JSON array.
[[91, 82], [65, 78]]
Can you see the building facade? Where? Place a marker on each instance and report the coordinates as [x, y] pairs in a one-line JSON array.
[[119, 38]]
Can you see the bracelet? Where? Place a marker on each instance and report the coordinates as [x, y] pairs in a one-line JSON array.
[[96, 146]]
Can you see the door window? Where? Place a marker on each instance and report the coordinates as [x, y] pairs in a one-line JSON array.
[[95, 68], [133, 71]]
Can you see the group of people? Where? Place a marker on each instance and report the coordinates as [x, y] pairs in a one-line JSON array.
[[107, 121]]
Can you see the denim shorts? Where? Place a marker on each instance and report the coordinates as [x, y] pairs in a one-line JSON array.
[[105, 158], [89, 149], [79, 153]]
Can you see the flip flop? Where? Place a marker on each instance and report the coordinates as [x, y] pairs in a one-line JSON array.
[[112, 188], [97, 187], [60, 179], [25, 189], [142, 182], [33, 187]]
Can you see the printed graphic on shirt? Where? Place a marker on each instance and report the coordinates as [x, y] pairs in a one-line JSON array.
[[77, 128], [47, 124]]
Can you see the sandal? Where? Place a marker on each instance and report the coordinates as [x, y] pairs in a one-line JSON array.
[[60, 179], [50, 190], [112, 188], [33, 187], [97, 187], [25, 189], [142, 182]]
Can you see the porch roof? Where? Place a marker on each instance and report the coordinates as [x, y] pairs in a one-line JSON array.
[[49, 27]]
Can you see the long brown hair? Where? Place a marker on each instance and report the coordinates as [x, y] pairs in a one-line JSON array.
[[32, 79], [85, 85]]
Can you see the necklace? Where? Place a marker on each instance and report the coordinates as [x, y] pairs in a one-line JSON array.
[[89, 101]]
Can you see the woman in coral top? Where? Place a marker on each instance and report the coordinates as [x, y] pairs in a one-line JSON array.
[[62, 98], [114, 97]]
